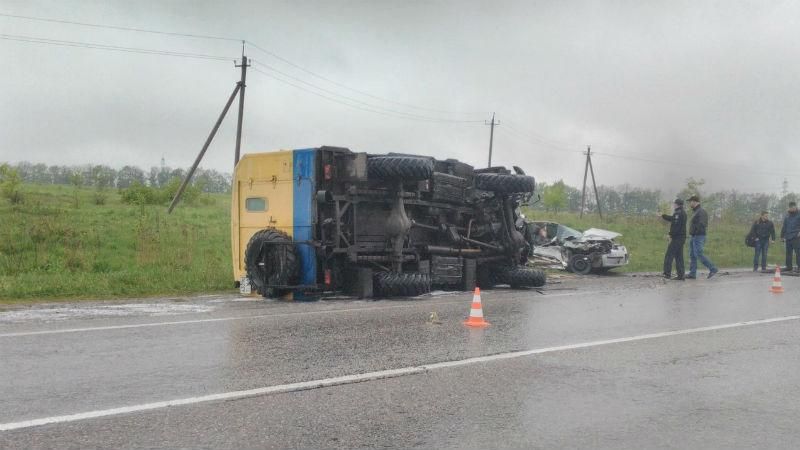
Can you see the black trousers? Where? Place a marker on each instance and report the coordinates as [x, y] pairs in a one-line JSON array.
[[792, 246], [675, 251]]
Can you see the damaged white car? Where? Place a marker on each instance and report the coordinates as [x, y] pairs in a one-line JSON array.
[[559, 246]]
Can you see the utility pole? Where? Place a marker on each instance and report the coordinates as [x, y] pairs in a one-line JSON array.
[[589, 168], [241, 85], [491, 137], [203, 150]]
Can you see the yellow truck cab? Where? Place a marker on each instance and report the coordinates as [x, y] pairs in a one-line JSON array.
[[273, 191]]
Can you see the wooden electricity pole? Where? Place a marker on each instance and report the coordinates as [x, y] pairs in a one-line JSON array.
[[242, 85], [491, 138], [589, 168], [238, 90]]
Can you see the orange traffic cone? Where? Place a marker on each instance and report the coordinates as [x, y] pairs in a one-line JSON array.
[[777, 286], [475, 318]]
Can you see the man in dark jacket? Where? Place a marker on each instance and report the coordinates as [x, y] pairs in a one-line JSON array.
[[790, 233], [697, 242], [677, 237], [763, 230]]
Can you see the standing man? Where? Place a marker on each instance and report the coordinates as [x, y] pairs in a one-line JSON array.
[[764, 231], [790, 233], [697, 242], [677, 237]]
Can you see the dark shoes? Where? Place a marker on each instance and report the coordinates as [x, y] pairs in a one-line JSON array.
[[666, 276], [679, 278], [694, 276]]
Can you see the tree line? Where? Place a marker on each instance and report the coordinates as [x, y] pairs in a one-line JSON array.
[[628, 200], [102, 176]]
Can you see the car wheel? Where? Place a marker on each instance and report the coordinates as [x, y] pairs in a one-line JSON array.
[[580, 264]]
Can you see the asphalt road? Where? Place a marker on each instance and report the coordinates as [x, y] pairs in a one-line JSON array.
[[613, 362]]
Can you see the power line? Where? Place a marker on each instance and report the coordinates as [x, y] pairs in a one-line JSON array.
[[251, 43], [321, 77], [717, 165], [511, 132], [692, 164], [537, 137], [91, 45], [355, 100], [113, 27], [356, 106], [368, 107]]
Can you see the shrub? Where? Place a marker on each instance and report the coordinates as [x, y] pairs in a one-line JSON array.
[[100, 197], [139, 194], [9, 184]]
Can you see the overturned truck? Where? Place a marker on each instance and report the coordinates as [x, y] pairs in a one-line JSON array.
[[323, 220]]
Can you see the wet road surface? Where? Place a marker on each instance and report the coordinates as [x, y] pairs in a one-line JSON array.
[[64, 369]]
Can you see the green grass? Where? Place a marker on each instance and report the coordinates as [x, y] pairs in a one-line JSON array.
[[60, 244], [645, 238]]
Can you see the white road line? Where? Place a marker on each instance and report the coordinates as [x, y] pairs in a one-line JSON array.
[[370, 376], [409, 304], [188, 322]]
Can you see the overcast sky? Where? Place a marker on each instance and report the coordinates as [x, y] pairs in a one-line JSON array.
[[661, 90]]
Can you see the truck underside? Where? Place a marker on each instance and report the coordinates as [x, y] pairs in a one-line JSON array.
[[399, 225]]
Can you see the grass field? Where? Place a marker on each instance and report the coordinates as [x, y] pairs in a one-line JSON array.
[[61, 244], [645, 238]]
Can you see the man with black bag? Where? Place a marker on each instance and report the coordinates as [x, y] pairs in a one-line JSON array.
[[790, 234], [677, 237]]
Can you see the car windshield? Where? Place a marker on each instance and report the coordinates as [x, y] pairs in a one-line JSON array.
[[565, 232]]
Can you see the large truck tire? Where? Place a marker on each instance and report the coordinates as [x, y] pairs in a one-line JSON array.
[[390, 284], [269, 264], [399, 168], [520, 277], [505, 184]]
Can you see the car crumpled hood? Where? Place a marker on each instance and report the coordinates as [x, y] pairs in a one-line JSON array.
[[593, 234]]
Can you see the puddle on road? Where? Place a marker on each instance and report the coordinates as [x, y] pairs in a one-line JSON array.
[[77, 312]]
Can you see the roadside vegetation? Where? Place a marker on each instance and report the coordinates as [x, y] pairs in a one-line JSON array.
[[92, 239], [59, 241]]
